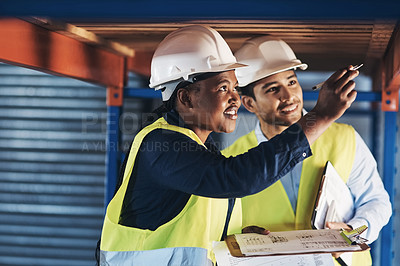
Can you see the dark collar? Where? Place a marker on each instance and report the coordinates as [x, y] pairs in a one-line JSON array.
[[173, 118]]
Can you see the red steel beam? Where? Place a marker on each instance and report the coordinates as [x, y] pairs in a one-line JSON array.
[[140, 63], [31, 46], [391, 74]]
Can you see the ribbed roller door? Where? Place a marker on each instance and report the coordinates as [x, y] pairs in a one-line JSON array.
[[52, 168], [131, 120]]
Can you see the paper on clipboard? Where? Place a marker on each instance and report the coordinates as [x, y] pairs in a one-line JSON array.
[[225, 258], [334, 201], [287, 243], [294, 242]]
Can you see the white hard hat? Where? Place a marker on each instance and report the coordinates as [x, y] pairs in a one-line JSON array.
[[265, 56], [187, 51]]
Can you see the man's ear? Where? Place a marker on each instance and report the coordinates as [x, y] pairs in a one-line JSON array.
[[183, 97], [249, 103]]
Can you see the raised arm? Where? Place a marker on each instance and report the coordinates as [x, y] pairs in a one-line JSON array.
[[335, 97]]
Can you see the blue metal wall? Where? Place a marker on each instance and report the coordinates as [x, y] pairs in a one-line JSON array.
[[53, 165], [52, 157]]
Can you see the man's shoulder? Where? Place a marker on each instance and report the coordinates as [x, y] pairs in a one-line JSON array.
[[338, 136], [340, 129], [342, 125], [241, 145]]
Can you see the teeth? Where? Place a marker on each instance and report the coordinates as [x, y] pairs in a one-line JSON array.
[[290, 109], [230, 112]]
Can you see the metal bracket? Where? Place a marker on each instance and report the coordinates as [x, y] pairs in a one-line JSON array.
[[390, 100], [115, 96]]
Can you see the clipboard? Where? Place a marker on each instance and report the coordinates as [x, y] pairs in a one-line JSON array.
[[334, 201], [234, 247]]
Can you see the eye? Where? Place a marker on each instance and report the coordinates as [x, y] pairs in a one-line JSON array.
[[223, 88], [271, 89], [292, 82]]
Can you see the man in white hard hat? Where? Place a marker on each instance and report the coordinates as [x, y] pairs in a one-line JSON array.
[[177, 192], [271, 91]]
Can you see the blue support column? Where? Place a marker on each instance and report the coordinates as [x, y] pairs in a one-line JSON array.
[[112, 156], [389, 169], [376, 135]]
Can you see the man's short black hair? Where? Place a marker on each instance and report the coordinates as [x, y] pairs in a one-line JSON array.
[[248, 90]]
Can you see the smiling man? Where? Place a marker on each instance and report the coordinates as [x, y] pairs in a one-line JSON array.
[[277, 106], [176, 194], [271, 91]]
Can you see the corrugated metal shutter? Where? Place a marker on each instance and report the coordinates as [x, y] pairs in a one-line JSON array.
[[52, 168], [131, 120]]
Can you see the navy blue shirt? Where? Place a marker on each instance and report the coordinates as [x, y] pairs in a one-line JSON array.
[[170, 167]]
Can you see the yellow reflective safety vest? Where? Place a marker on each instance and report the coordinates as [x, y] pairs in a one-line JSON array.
[[271, 208], [185, 240]]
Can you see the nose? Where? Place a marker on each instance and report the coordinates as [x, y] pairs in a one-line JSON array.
[[285, 94], [234, 96]]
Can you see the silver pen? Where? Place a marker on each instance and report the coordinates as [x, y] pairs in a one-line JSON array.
[[319, 85]]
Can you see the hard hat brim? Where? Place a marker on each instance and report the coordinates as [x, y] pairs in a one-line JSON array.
[[185, 76], [266, 72]]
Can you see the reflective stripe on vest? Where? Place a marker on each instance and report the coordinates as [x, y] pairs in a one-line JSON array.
[[185, 239], [177, 256], [273, 202]]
